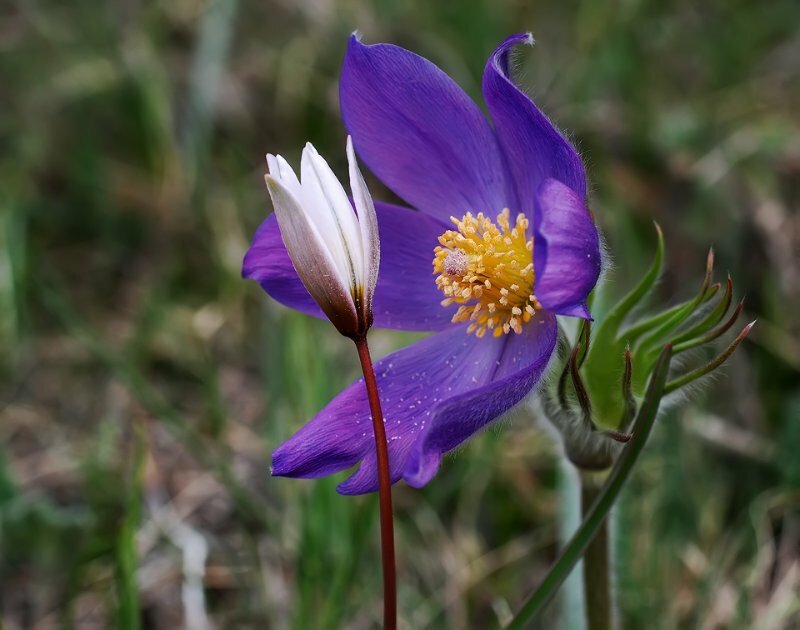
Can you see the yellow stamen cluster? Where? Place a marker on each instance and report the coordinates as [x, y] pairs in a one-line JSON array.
[[489, 271]]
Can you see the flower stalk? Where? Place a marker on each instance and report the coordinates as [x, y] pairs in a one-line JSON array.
[[597, 570], [384, 487], [335, 249]]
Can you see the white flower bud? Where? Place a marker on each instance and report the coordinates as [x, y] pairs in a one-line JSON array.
[[335, 252]]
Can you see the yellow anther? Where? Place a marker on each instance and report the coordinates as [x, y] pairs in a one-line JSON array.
[[487, 267]]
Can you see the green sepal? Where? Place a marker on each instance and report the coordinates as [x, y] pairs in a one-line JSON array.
[[605, 361], [644, 355], [667, 317], [712, 365], [660, 325], [713, 318], [614, 318]]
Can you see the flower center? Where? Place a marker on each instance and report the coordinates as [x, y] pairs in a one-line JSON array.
[[489, 271]]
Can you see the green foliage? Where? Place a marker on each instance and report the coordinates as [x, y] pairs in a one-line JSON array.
[[605, 361], [606, 498], [620, 358], [129, 195]]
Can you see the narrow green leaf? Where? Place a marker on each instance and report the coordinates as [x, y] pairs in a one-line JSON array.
[[658, 326], [577, 383], [677, 348], [711, 365], [627, 394], [646, 351], [563, 355], [713, 317], [668, 319], [714, 334], [602, 367], [616, 315], [599, 511]]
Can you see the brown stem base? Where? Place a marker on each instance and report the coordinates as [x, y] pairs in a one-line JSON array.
[[384, 488]]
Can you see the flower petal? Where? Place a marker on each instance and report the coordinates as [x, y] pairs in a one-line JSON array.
[[419, 132], [521, 366], [330, 209], [367, 222], [281, 170], [534, 149], [566, 250], [406, 296], [309, 199], [312, 258], [435, 394]]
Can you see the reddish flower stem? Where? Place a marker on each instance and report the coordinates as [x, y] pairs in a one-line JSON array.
[[384, 488]]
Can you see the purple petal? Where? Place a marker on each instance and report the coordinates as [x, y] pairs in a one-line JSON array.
[[534, 149], [419, 132], [435, 395], [566, 250], [521, 366], [406, 297]]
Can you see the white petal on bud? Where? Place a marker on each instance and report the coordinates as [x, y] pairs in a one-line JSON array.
[[368, 222], [311, 257], [327, 202], [335, 252], [280, 169]]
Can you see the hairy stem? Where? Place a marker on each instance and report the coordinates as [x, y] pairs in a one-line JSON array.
[[384, 488], [597, 578], [595, 515]]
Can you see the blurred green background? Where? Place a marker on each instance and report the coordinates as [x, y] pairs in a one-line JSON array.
[[143, 384]]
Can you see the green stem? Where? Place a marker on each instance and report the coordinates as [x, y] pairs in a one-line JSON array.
[[597, 576], [572, 604], [597, 514]]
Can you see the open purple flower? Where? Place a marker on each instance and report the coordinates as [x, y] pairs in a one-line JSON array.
[[500, 214]]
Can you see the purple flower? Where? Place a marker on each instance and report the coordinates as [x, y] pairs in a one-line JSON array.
[[521, 248]]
